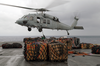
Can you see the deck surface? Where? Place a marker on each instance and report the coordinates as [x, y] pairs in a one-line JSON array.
[[92, 60], [14, 57]]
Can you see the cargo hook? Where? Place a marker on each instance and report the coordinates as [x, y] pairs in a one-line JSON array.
[[43, 34], [67, 32]]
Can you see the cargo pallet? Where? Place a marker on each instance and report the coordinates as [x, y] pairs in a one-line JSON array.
[[41, 51]]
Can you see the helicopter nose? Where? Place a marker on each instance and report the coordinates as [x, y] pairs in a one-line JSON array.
[[18, 22], [21, 22]]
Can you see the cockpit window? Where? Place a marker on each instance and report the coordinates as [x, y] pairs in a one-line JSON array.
[[25, 16], [28, 17]]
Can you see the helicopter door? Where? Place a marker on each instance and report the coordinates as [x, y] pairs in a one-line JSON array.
[[38, 20], [49, 23], [54, 25]]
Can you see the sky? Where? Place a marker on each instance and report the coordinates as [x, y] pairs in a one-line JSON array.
[[88, 12]]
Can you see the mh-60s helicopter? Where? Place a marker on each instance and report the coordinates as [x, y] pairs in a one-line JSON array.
[[43, 20]]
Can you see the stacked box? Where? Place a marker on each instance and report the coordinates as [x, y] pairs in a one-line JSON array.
[[58, 52], [86, 45], [32, 39], [90, 46], [67, 41], [69, 44], [83, 46], [35, 51], [42, 52]]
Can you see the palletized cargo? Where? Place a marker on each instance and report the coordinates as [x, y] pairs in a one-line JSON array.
[[69, 44], [86, 45], [96, 49], [35, 51], [6, 45], [83, 46], [53, 50], [32, 39], [58, 51], [66, 41], [91, 45], [14, 45], [75, 43]]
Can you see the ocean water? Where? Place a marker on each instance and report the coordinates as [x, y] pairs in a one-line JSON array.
[[89, 39], [85, 39]]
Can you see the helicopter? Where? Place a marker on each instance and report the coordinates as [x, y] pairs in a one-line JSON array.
[[43, 21]]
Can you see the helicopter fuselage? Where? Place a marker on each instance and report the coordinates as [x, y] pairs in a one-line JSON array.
[[42, 21], [46, 21]]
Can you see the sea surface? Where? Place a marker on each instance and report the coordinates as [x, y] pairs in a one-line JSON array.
[[85, 39]]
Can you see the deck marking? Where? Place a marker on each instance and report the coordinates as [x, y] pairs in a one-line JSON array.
[[10, 56], [75, 62], [13, 60]]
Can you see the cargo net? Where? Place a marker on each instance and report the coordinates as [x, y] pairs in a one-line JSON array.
[[96, 49], [14, 45], [58, 52], [49, 49], [35, 51], [66, 41], [86, 45]]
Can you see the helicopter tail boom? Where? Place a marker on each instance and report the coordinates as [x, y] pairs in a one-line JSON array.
[[73, 26], [78, 27]]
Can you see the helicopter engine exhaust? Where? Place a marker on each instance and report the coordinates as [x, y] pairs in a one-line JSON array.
[[51, 17]]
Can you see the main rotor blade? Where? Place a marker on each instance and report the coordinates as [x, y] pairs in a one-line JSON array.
[[56, 3], [18, 6]]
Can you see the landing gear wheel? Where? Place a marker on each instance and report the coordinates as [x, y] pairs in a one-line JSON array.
[[29, 29], [40, 30], [68, 33]]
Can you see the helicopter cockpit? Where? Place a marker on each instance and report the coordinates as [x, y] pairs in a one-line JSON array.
[[24, 20], [27, 17]]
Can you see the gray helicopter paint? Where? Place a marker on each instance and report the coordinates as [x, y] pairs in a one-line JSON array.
[[48, 22]]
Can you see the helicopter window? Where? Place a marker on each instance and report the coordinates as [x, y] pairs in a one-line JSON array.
[[44, 21], [38, 17], [48, 21]]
